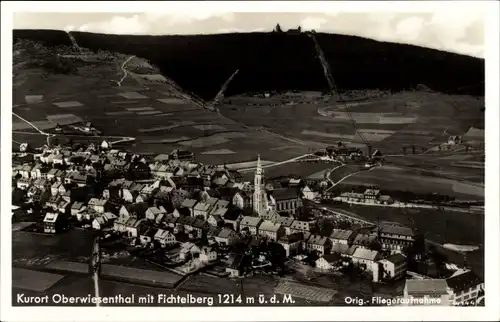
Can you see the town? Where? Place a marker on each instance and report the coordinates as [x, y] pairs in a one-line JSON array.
[[187, 217]]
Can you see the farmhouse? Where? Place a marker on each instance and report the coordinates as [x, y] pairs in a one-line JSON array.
[[328, 262], [371, 195]]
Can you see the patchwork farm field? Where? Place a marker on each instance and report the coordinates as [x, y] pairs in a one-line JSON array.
[[407, 118], [153, 113]]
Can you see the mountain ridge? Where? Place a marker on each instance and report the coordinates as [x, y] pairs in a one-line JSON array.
[[283, 61]]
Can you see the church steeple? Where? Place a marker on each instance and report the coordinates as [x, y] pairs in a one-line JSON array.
[[259, 195]]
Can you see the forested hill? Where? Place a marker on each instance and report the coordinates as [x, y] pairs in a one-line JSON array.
[[281, 61]]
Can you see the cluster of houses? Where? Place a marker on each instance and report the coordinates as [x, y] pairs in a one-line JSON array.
[[170, 199], [370, 196]]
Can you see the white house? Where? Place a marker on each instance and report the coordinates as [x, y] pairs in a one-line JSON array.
[[392, 267], [465, 287], [328, 262], [271, 230], [208, 255], [164, 237], [98, 205], [365, 258]]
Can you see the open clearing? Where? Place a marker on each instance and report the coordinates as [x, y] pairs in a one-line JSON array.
[[148, 113], [33, 99], [328, 135], [68, 104], [389, 180], [140, 109], [205, 127], [132, 95], [33, 280], [307, 292], [74, 267], [172, 100], [140, 275], [461, 248], [221, 151], [119, 113]]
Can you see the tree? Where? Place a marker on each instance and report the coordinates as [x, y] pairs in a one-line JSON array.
[[278, 28]]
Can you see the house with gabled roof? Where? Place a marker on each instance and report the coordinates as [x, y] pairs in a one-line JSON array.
[[153, 212], [319, 244], [98, 205], [365, 257], [465, 287], [271, 230], [300, 226], [365, 241], [135, 210], [393, 267], [164, 237], [286, 223], [292, 243], [250, 223], [226, 237], [190, 205], [342, 236]]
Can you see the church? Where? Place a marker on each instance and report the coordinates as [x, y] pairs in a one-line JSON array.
[[263, 205]]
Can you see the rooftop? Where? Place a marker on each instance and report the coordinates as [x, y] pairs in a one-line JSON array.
[[250, 221], [269, 226], [424, 287], [464, 281], [341, 234], [367, 254]]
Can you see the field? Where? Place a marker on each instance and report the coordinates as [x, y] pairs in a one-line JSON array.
[[311, 293], [32, 280], [403, 119], [407, 180], [153, 114]]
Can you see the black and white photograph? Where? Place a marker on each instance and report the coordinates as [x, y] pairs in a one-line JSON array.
[[230, 161]]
